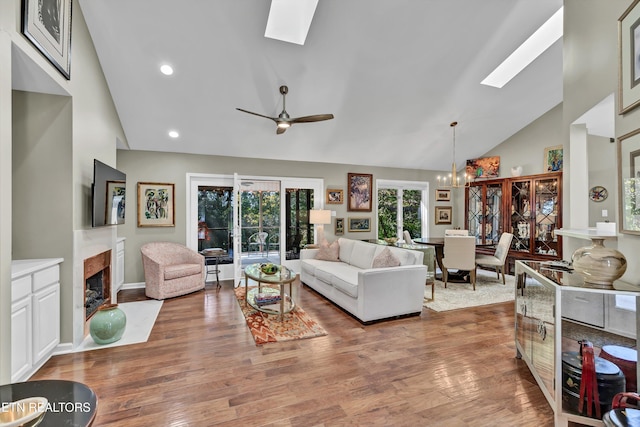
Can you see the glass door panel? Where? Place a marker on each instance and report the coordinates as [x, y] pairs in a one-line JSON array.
[[299, 201], [493, 217], [259, 220], [215, 218], [521, 215], [546, 216], [474, 205]]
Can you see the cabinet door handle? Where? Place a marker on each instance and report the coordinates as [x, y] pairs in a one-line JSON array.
[[542, 330]]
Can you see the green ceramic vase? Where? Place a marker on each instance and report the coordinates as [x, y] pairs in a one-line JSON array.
[[107, 324]]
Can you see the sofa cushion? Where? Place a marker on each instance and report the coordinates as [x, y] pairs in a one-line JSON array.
[[181, 270], [362, 255], [346, 248], [344, 277], [385, 259], [328, 252]]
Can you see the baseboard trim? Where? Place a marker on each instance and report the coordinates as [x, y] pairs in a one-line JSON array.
[[139, 285]]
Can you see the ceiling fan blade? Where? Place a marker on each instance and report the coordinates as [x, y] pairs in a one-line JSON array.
[[280, 130], [314, 118], [256, 114]]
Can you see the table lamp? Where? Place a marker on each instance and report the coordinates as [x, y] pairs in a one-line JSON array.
[[320, 217]]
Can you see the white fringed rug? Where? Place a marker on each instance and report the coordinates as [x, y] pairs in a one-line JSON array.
[[489, 290], [141, 316]]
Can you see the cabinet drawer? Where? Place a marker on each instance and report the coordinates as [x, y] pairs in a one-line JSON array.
[[20, 288], [585, 307], [46, 277]]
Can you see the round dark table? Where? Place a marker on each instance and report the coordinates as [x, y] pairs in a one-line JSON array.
[[70, 403]]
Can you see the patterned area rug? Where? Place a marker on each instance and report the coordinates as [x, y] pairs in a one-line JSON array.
[[267, 328], [489, 290]]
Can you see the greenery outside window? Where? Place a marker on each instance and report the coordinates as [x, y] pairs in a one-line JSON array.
[[402, 205]]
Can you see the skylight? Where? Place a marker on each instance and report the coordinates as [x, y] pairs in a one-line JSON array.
[[527, 52], [289, 20]]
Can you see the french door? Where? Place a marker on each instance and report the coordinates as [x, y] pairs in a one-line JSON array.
[[271, 220]]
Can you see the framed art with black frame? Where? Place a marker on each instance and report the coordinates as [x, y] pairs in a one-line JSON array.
[[47, 25]]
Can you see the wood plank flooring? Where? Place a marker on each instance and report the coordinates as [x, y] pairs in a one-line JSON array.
[[201, 367]]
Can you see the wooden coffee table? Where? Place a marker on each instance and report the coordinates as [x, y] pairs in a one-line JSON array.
[[283, 277]]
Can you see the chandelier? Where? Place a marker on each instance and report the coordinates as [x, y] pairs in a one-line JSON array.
[[453, 180]]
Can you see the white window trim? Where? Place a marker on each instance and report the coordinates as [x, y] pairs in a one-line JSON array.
[[407, 185]]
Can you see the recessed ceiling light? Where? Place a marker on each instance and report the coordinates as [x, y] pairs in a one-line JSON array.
[[173, 134], [527, 52], [166, 69]]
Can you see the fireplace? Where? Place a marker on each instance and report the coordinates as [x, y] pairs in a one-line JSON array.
[[97, 279]]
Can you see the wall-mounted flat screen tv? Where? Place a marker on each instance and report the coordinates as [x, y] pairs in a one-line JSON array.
[[108, 195]]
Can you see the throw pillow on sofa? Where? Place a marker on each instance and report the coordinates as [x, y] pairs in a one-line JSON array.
[[329, 252], [385, 259]]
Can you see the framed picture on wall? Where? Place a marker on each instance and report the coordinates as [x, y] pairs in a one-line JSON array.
[[629, 59], [339, 230], [359, 224], [360, 192], [47, 24], [443, 195], [629, 182], [335, 196], [443, 214], [156, 204], [553, 158]]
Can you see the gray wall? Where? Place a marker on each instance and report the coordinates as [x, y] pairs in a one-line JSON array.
[[147, 166], [526, 148], [602, 154], [590, 75], [47, 146]]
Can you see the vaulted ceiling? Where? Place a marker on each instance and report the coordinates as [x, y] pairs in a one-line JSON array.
[[394, 73]]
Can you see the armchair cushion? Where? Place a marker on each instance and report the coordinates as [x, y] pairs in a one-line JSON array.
[[181, 270]]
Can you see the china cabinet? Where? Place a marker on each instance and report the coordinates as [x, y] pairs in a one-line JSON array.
[[546, 331], [529, 207]]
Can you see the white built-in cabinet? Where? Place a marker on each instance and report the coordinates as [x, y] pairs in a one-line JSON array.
[[119, 266], [35, 314]]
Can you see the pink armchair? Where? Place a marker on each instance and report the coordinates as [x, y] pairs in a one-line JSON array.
[[171, 270]]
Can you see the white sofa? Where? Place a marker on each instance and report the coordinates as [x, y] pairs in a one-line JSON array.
[[367, 293]]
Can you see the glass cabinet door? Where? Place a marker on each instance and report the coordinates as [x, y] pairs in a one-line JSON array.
[[474, 212], [546, 218], [492, 213], [521, 215]]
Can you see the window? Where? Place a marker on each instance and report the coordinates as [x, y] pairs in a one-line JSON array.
[[402, 205]]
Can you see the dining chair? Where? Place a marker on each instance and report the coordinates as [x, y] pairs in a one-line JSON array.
[[459, 254], [452, 232], [499, 258], [407, 238]]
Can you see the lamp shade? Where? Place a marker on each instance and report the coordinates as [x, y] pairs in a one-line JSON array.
[[320, 216]]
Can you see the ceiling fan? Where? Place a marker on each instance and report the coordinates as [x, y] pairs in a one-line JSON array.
[[284, 121]]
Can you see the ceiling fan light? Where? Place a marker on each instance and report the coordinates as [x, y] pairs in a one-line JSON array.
[[284, 125]]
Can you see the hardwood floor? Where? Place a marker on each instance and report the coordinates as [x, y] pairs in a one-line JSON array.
[[201, 367]]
